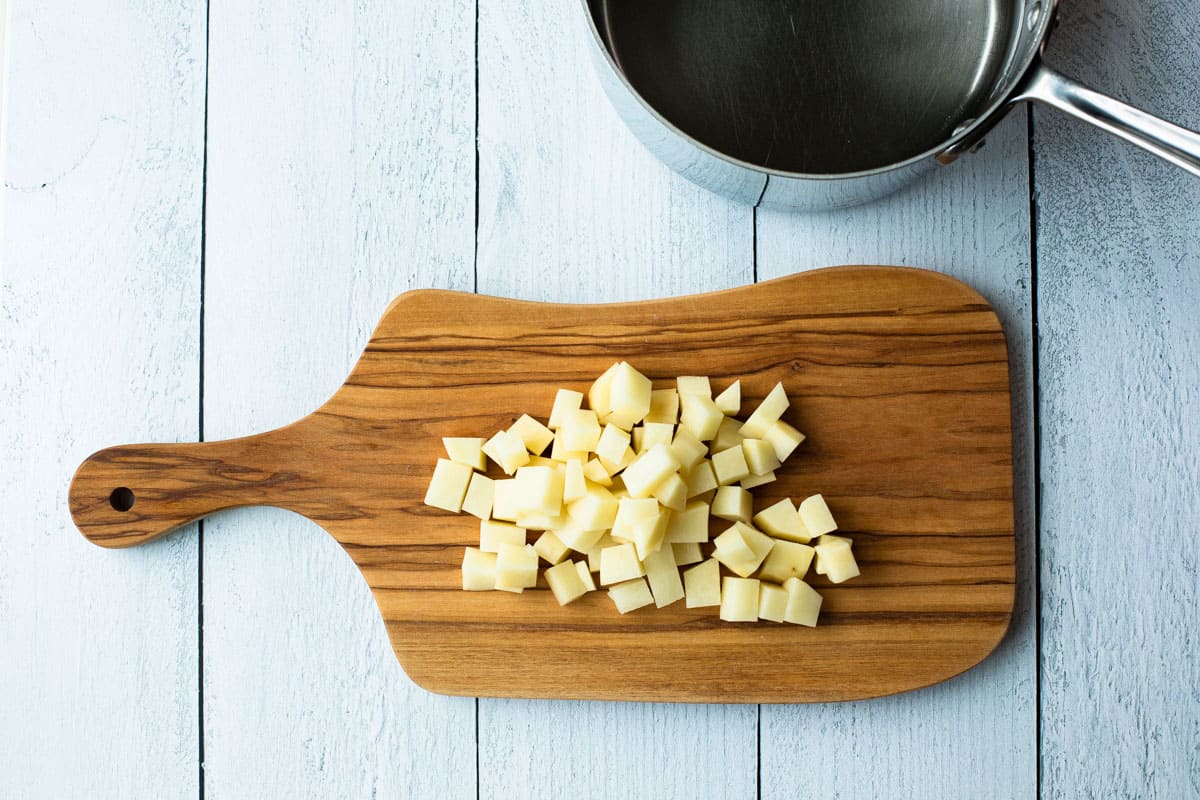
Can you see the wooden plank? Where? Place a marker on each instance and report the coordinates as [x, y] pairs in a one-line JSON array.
[[100, 262], [1118, 260], [572, 208], [340, 172], [971, 221]]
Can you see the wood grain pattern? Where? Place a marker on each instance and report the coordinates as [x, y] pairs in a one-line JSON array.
[[900, 376], [99, 300], [340, 173], [1118, 290]]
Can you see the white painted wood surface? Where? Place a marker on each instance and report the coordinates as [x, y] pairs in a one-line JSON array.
[[99, 336], [1119, 306], [341, 170]]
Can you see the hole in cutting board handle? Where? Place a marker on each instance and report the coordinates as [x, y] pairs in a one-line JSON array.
[[121, 498]]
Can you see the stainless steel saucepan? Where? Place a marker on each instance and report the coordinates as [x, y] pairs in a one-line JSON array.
[[829, 103]]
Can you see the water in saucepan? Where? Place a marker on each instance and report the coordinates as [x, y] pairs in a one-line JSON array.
[[823, 86]]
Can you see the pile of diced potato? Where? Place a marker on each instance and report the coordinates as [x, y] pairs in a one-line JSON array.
[[628, 491]]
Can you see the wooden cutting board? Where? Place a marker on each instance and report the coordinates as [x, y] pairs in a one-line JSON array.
[[899, 377]]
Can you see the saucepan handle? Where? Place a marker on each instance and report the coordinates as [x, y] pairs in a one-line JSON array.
[[1166, 140]]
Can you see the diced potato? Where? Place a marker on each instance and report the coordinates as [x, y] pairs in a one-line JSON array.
[[580, 431], [598, 394], [688, 450], [478, 500], [650, 469], [768, 411], [836, 559], [539, 490], [754, 481], [566, 583], [815, 515], [702, 585], [783, 438], [672, 492], [593, 555], [574, 536], [628, 396], [534, 434], [663, 575], [732, 503], [650, 434], [786, 560], [466, 450], [550, 548], [478, 570], [700, 478], [585, 576], [730, 400], [700, 415], [612, 445], [613, 467], [730, 466], [565, 401], [664, 406], [686, 553], [516, 568], [772, 602], [507, 449], [727, 436], [689, 525], [630, 595], [649, 535], [448, 486], [760, 456], [595, 472], [558, 452], [782, 521], [596, 510], [742, 548], [631, 512], [492, 534], [739, 599], [504, 498], [804, 603], [619, 563], [542, 522], [694, 385], [574, 481]]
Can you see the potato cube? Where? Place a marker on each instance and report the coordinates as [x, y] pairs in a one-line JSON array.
[[804, 603], [565, 401], [478, 501], [550, 548], [816, 516], [700, 478], [585, 576], [630, 512], [650, 434], [836, 559], [478, 570], [619, 563], [730, 400], [702, 585], [686, 553], [598, 393], [754, 481], [760, 456], [782, 521], [574, 481], [628, 396], [559, 452], [727, 436], [516, 568], [700, 415], [688, 450], [593, 555], [448, 486], [739, 599], [783, 438], [565, 583], [732, 503], [595, 472], [650, 469], [466, 450], [767, 413], [507, 449], [542, 522], [786, 560], [630, 595], [742, 548], [492, 534], [664, 406], [580, 431], [613, 467], [539, 490], [649, 534], [612, 445], [576, 537], [663, 575], [534, 434], [689, 525], [772, 602], [672, 492], [504, 499], [694, 385], [596, 510], [730, 466]]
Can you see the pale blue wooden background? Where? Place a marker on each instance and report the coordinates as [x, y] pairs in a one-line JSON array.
[[207, 205]]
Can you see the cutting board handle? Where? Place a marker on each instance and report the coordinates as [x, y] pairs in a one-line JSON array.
[[126, 495]]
